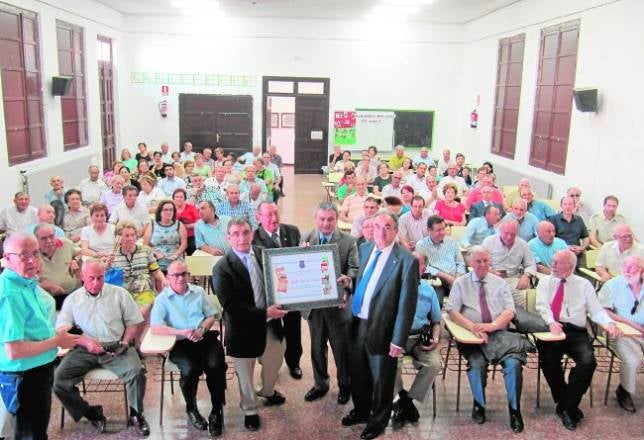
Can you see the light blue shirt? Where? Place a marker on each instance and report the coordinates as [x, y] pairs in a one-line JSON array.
[[427, 308], [212, 235], [25, 317], [477, 230], [57, 231], [182, 312], [616, 295], [527, 226], [168, 185], [543, 253], [442, 257], [540, 210]]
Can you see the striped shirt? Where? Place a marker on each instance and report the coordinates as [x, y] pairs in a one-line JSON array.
[[442, 257], [241, 210]]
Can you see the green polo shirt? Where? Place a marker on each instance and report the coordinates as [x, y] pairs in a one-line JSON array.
[[24, 318]]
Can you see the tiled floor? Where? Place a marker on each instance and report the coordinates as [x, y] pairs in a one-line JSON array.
[[298, 419]]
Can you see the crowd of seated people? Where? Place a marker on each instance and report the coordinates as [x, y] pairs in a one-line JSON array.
[[137, 222]]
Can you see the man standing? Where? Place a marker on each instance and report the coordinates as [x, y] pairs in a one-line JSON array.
[[383, 306], [253, 330], [482, 303], [28, 343], [183, 310], [479, 228], [545, 245], [612, 254], [92, 187], [273, 234], [565, 301], [331, 324], [108, 318]]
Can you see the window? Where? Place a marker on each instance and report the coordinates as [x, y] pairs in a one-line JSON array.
[[21, 84], [71, 64], [508, 93], [553, 103]]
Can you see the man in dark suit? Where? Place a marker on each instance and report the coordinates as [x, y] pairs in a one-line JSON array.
[[383, 307], [253, 331], [478, 208], [272, 234], [331, 324]]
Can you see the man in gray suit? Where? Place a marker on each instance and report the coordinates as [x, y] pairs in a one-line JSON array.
[[331, 324], [383, 307]]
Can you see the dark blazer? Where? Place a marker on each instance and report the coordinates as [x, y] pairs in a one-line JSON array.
[[478, 209], [393, 303], [348, 261], [245, 335], [289, 237]]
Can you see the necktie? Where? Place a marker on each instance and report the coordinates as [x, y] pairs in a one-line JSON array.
[[323, 240], [557, 301], [276, 239], [486, 316], [256, 281], [358, 296]]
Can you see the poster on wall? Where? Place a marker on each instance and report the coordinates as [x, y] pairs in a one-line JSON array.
[[344, 123]]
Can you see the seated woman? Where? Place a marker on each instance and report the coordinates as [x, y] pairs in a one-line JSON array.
[[76, 217], [449, 209], [97, 239], [150, 194], [166, 235]]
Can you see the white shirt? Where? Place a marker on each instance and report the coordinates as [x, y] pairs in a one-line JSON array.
[[375, 276], [12, 220], [137, 214], [91, 190]]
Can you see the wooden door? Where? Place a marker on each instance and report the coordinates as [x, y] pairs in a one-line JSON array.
[[106, 85], [216, 120]]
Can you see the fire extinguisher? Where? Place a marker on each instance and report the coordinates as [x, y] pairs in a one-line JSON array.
[[163, 108], [474, 119]]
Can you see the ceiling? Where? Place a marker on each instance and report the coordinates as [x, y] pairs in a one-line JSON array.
[[440, 11]]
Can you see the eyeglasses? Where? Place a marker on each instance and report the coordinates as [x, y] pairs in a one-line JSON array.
[[178, 275], [634, 309], [24, 256]]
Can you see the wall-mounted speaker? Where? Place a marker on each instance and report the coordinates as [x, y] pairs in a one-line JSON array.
[[60, 85], [586, 99]]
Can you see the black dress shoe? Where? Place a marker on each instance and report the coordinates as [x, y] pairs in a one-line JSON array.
[[216, 422], [372, 431], [296, 373], [314, 394], [197, 420], [478, 413], [276, 399], [516, 421], [140, 424], [398, 417], [252, 422], [97, 419], [567, 419], [624, 399], [353, 419], [344, 395]]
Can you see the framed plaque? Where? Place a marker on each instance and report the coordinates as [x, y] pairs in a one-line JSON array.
[[300, 278]]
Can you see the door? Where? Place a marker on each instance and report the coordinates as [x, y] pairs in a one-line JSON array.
[[106, 85], [216, 121]]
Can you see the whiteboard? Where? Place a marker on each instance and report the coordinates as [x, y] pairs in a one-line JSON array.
[[374, 127]]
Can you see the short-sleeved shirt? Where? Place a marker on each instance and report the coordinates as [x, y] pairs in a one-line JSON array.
[[464, 296], [103, 242], [102, 317], [184, 311], [569, 231], [612, 259], [25, 317], [616, 295], [427, 308], [137, 269], [604, 227], [543, 253], [212, 235]]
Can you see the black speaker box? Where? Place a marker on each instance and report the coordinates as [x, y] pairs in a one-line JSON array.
[[60, 85], [585, 99]]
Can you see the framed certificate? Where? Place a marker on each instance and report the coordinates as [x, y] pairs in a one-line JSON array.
[[303, 278]]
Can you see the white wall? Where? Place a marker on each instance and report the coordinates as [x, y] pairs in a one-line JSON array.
[[605, 153], [95, 19]]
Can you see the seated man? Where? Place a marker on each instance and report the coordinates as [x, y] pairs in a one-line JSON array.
[[60, 259], [444, 259], [570, 227], [46, 214], [564, 301], [545, 245], [108, 318], [210, 231], [612, 254], [183, 310], [482, 303], [421, 345], [511, 259], [622, 297], [479, 228], [412, 225], [602, 224], [527, 221]]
